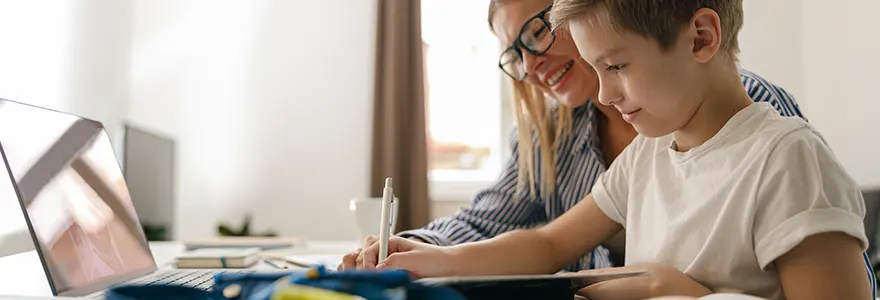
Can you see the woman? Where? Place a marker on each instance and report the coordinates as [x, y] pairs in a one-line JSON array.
[[573, 133]]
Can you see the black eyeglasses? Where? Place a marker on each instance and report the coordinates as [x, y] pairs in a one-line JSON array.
[[534, 37]]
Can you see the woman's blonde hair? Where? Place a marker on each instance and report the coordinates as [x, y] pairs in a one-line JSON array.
[[534, 115]]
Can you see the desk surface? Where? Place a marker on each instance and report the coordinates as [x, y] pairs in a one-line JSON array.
[[22, 274]]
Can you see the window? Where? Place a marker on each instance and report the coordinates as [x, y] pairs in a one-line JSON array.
[[467, 138]]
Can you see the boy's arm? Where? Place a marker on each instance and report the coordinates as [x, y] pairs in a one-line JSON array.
[[535, 251], [543, 250], [824, 266]]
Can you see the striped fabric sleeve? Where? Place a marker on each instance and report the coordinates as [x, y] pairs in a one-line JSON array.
[[872, 277], [494, 211], [762, 90]]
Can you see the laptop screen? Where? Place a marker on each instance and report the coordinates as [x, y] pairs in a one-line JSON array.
[[77, 202]]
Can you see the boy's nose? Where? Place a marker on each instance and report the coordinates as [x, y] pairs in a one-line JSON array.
[[608, 94]]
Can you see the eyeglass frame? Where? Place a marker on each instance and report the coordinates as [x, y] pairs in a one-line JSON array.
[[519, 46]]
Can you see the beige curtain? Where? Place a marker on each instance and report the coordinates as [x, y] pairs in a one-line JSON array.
[[399, 138]]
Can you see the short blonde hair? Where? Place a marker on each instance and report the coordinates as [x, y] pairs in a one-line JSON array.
[[660, 20]]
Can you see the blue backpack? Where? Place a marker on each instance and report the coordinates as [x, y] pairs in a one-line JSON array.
[[312, 284]]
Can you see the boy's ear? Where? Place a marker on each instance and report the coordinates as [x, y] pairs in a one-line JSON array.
[[706, 29]]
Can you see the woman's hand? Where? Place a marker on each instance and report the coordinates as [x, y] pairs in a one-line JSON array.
[[658, 281], [419, 259]]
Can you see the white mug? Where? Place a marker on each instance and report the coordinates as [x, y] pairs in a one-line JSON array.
[[368, 215]]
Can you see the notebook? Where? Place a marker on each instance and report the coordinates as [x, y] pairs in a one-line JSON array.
[[219, 258], [265, 243], [547, 287], [574, 280]]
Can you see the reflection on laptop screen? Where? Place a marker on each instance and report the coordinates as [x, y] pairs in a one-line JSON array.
[[79, 207]]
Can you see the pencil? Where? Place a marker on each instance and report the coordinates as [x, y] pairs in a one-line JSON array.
[[273, 264]]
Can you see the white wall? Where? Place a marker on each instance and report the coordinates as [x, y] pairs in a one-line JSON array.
[[770, 41], [270, 103], [67, 55], [841, 63], [828, 55]]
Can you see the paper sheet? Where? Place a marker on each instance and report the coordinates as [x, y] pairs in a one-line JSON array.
[[330, 261]]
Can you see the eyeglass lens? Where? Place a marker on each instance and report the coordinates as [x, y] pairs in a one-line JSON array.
[[535, 38]]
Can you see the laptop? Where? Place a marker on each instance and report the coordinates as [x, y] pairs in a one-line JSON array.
[[77, 206]]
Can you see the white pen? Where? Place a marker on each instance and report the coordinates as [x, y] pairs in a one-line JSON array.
[[385, 227]]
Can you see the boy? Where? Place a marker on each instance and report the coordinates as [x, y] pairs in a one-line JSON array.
[[717, 193]]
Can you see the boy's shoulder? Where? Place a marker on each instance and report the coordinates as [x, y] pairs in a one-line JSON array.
[[771, 121], [757, 130], [783, 141], [769, 128], [794, 135]]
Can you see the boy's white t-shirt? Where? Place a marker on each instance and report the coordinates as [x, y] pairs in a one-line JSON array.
[[724, 211]]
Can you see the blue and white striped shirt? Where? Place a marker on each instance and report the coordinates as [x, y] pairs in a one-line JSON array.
[[500, 209]]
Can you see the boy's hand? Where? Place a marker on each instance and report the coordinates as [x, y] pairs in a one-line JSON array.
[[659, 280], [403, 254], [349, 261]]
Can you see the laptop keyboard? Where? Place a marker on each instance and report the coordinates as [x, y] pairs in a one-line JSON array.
[[199, 279]]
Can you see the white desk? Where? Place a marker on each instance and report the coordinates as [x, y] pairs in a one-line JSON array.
[[22, 274], [28, 272]]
